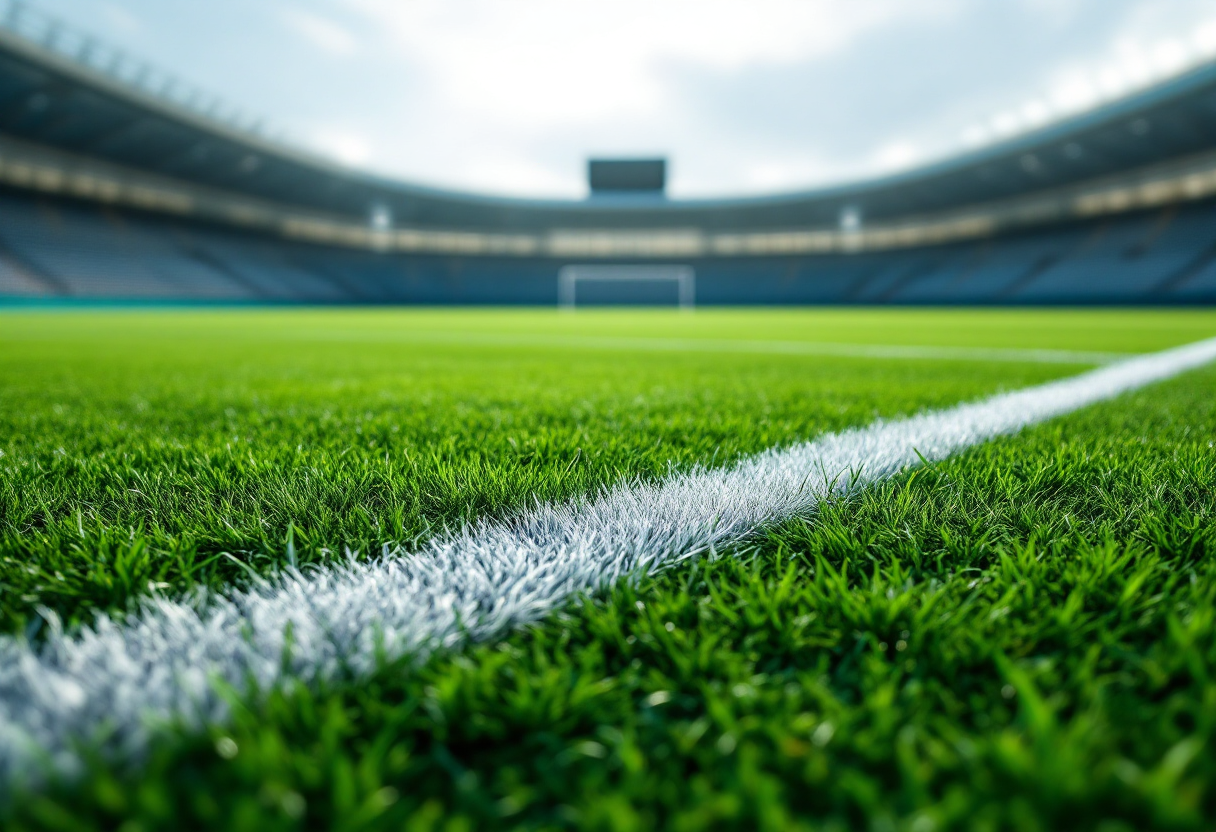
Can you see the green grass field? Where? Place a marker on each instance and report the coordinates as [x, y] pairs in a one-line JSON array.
[[1023, 637]]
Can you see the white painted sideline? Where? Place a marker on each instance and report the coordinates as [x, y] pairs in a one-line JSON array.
[[157, 664]]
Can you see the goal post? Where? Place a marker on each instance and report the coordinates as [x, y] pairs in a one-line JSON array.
[[569, 277]]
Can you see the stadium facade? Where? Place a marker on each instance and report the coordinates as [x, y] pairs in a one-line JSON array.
[[119, 183]]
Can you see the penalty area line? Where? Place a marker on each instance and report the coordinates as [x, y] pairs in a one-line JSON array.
[[159, 664]]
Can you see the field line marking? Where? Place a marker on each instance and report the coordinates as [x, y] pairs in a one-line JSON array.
[[158, 664], [839, 349]]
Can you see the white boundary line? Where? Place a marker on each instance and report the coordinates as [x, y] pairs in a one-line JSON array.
[[158, 664]]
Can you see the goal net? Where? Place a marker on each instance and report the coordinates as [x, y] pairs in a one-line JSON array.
[[570, 277]]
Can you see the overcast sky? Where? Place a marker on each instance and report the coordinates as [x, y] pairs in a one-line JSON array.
[[746, 96]]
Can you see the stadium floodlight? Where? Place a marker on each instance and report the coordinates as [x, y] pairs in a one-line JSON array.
[[850, 219], [380, 216], [569, 277]]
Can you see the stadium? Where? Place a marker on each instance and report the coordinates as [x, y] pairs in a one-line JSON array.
[[113, 190], [330, 500]]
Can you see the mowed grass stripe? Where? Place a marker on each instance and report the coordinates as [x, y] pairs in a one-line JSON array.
[[162, 663]]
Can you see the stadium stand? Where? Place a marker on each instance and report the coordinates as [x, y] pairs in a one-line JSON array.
[[118, 184], [56, 248]]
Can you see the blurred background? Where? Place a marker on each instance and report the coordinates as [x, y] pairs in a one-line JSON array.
[[762, 152]]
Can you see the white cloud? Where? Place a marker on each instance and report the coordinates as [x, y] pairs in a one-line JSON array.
[[1073, 91], [551, 63], [1204, 38], [776, 173], [511, 96], [346, 146], [896, 156], [321, 32], [1035, 112], [513, 172], [1171, 55], [975, 135]]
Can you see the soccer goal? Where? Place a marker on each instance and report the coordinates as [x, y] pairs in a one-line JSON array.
[[570, 277]]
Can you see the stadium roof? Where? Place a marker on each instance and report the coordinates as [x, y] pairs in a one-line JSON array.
[[75, 100]]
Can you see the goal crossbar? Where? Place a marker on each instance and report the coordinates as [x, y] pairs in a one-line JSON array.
[[569, 276]]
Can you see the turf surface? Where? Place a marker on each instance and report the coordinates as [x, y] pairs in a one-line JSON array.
[[171, 450], [1018, 638]]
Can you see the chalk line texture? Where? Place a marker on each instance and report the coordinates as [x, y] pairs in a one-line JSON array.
[[120, 681]]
